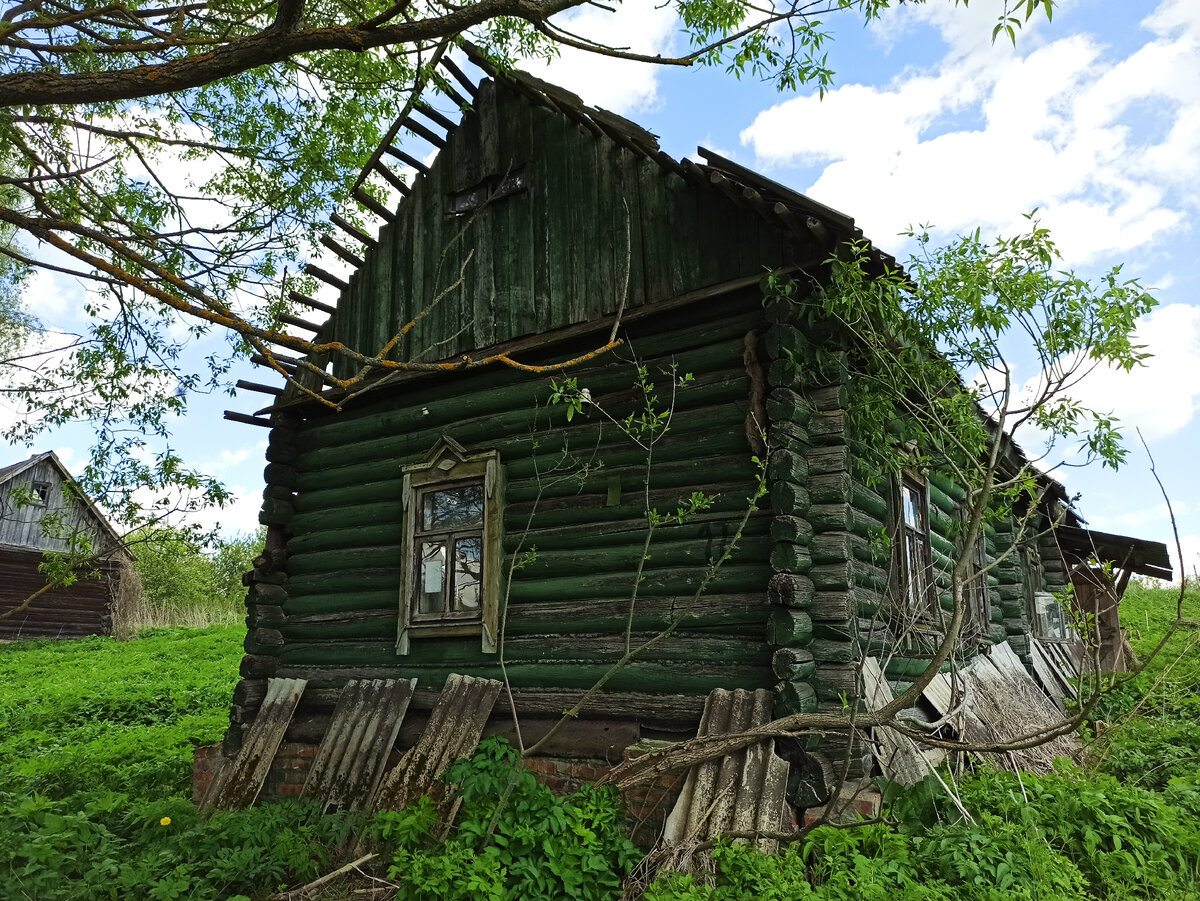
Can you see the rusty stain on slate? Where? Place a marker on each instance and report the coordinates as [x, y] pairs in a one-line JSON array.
[[740, 792], [239, 781], [453, 732], [352, 755]]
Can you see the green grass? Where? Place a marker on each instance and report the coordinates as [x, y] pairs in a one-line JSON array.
[[96, 740], [123, 716]]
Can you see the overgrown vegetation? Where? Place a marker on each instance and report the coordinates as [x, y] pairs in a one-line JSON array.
[[94, 785], [178, 583]]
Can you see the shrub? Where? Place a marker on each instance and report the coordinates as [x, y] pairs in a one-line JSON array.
[[515, 838]]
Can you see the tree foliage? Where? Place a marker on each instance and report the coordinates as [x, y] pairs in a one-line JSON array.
[[181, 160]]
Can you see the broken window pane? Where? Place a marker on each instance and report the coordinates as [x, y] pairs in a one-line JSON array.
[[468, 573], [431, 596], [452, 508]]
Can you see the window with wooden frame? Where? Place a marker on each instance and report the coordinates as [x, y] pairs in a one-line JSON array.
[[917, 590], [978, 613], [450, 583], [1047, 617]]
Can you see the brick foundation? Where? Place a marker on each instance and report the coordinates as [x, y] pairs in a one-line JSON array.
[[646, 806]]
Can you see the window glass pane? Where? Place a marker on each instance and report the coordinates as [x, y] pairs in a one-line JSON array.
[[431, 596], [912, 506], [451, 508], [468, 573]]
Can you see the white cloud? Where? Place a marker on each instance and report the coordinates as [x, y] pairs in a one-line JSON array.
[[642, 26], [1162, 397], [1109, 150]]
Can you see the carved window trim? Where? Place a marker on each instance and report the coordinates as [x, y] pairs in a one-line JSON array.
[[449, 465]]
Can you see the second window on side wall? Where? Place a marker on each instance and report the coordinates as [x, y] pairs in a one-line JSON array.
[[916, 565]]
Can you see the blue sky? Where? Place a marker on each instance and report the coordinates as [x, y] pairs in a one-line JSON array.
[[1093, 118]]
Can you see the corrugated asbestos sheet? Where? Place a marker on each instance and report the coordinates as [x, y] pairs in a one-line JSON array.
[[453, 732], [740, 792], [354, 751], [238, 783]]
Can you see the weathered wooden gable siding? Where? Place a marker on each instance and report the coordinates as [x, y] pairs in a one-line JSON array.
[[593, 217], [335, 612], [21, 526]]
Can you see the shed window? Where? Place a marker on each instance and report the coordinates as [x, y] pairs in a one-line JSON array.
[[41, 491], [451, 551], [917, 589]]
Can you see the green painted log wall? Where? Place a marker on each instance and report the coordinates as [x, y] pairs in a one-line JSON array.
[[573, 490]]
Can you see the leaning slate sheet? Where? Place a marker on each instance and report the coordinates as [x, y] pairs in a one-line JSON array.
[[741, 792], [352, 755], [453, 732], [237, 785]]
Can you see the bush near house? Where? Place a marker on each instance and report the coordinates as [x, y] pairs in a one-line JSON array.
[[95, 755]]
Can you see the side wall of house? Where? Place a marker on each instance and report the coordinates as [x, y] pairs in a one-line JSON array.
[[324, 606]]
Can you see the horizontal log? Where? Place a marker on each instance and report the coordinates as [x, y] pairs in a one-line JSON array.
[[789, 499], [786, 405], [737, 614], [849, 574], [788, 436], [827, 427], [788, 466], [827, 651], [796, 696], [791, 529], [788, 627], [792, 664], [672, 678], [831, 488], [784, 340], [834, 458], [844, 606], [790, 558], [828, 397], [790, 590]]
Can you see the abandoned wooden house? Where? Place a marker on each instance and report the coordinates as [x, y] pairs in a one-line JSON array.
[[42, 511], [464, 523]]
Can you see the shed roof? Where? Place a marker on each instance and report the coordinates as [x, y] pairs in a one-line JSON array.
[[10, 472]]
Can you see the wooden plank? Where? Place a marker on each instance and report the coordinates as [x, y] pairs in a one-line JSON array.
[[238, 783], [351, 757], [901, 759]]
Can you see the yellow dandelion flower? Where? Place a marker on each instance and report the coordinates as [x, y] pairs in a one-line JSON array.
[[165, 821]]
